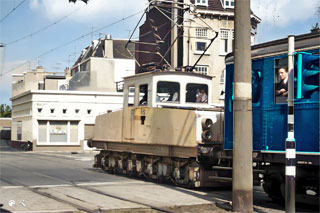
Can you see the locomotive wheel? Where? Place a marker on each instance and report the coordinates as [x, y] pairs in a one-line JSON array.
[[274, 188]]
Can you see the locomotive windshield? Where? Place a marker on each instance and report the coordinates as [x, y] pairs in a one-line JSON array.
[[168, 91], [197, 93]]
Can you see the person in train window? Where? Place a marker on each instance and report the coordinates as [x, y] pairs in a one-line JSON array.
[[282, 86], [144, 89], [202, 97]]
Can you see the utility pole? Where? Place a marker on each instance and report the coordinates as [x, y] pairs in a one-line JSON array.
[[174, 34], [290, 141], [2, 57], [242, 180]]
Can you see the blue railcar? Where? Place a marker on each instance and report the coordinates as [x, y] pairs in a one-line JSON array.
[[269, 114]]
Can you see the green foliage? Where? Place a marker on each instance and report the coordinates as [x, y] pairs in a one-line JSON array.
[[5, 111]]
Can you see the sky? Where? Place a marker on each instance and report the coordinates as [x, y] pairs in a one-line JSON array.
[[52, 33]]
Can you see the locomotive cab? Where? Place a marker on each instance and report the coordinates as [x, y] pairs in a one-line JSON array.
[[168, 89]]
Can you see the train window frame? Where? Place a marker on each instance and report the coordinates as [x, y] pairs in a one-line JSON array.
[[195, 93], [278, 64], [174, 95]]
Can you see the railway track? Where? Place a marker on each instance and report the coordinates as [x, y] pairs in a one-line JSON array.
[[81, 208]]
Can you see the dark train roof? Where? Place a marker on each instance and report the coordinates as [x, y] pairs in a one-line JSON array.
[[302, 42]]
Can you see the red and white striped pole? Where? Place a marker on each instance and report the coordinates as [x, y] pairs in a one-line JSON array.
[[290, 141]]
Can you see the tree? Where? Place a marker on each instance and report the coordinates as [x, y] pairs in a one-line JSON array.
[[5, 111]]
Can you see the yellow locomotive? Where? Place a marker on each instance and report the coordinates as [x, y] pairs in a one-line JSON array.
[[167, 130]]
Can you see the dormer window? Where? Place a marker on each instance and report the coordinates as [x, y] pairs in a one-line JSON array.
[[227, 3], [201, 2]]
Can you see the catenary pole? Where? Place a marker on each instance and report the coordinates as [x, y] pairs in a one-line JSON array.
[[242, 180], [290, 141]]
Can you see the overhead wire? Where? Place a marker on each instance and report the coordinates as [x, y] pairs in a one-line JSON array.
[[12, 10], [44, 28], [71, 41]]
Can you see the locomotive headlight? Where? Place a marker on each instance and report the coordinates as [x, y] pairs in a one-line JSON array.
[[207, 135], [206, 123]]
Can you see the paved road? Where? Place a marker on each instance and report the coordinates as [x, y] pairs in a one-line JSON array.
[[65, 182]]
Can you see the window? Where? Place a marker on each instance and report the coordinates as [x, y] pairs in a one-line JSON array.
[[89, 111], [222, 77], [19, 130], [201, 32], [77, 111], [42, 131], [39, 110], [281, 80], [202, 70], [228, 3], [58, 131], [224, 37], [168, 91], [143, 97], [64, 111], [197, 93], [202, 2], [74, 131], [131, 91], [52, 110], [201, 46]]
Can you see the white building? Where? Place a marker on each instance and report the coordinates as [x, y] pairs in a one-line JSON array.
[[59, 120], [102, 65], [53, 118]]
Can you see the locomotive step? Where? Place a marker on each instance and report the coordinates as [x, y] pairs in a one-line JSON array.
[[221, 168], [217, 178]]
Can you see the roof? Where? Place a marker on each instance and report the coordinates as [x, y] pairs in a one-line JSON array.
[[120, 51], [280, 46], [55, 77], [97, 49], [216, 5]]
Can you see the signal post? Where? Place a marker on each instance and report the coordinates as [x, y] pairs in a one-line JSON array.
[[242, 178]]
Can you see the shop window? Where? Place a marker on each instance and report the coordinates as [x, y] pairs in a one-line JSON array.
[[74, 131], [58, 131], [42, 131]]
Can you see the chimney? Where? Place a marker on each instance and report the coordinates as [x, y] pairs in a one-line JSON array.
[[108, 47], [40, 69], [67, 73]]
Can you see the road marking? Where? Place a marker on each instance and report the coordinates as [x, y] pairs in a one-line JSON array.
[[109, 183], [11, 187], [84, 159], [50, 186], [62, 210]]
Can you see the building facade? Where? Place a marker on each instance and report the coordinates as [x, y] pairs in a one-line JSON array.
[[59, 120], [102, 65], [199, 28]]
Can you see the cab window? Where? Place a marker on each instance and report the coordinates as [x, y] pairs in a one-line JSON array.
[[168, 91], [131, 91], [143, 95], [197, 93]]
